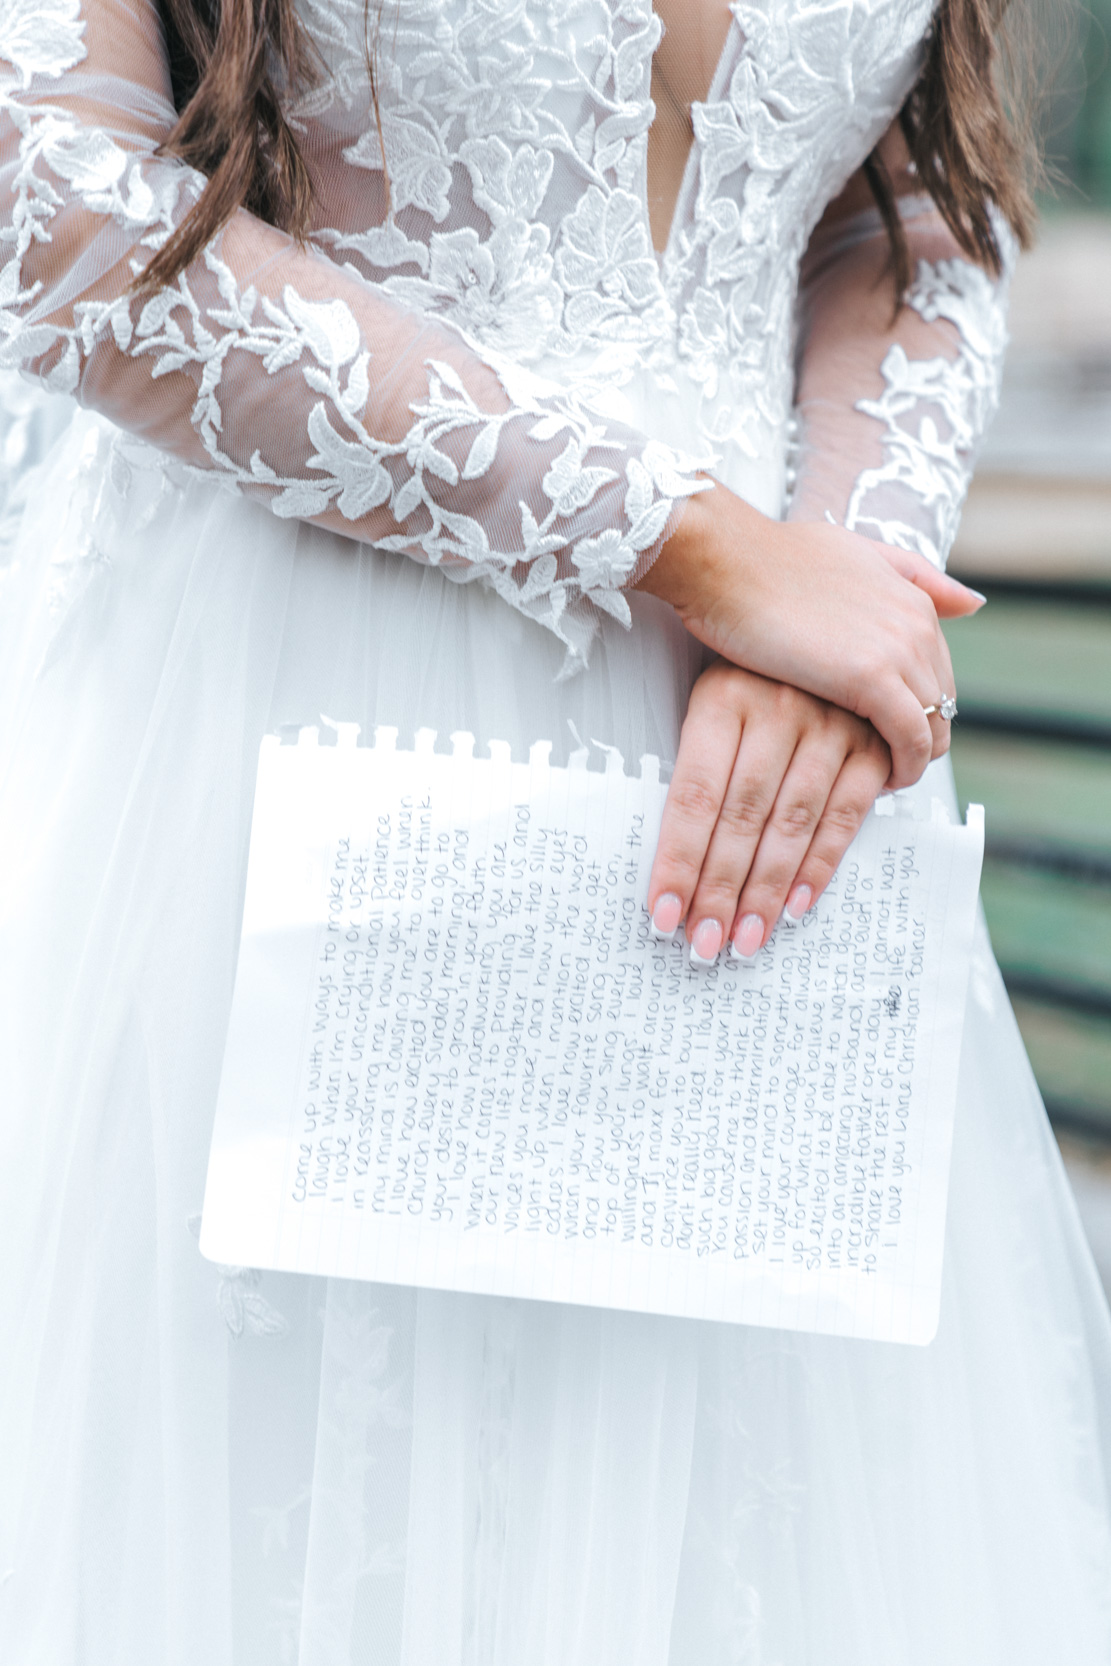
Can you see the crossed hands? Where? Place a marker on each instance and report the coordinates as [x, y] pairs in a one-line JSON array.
[[831, 651]]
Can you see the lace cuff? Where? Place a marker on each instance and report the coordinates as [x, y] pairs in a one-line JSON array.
[[895, 463]]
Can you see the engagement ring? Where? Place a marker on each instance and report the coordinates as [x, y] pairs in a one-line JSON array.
[[947, 710]]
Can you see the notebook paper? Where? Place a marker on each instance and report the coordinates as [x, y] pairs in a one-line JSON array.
[[458, 1058]]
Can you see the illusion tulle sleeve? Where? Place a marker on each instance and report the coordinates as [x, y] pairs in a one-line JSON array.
[[287, 374], [891, 409]]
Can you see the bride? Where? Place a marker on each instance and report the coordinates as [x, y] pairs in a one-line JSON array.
[[504, 376]]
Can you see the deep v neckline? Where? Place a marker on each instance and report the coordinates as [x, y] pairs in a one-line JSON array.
[[677, 214]]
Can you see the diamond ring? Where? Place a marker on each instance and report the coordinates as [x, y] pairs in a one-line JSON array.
[[947, 710]]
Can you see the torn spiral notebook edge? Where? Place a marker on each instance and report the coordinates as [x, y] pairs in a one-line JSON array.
[[653, 772], [352, 736], [904, 804]]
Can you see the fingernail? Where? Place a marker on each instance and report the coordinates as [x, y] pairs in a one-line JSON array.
[[666, 915], [979, 595], [750, 935], [706, 942], [799, 901]]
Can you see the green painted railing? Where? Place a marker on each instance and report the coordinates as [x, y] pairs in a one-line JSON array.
[[1033, 744]]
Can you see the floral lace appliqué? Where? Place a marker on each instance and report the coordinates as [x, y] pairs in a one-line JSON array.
[[245, 1310], [515, 227], [934, 413]]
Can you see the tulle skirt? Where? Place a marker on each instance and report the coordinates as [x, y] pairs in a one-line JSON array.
[[205, 1466]]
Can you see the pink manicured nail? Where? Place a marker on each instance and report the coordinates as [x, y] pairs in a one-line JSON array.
[[667, 914], [706, 942], [799, 901], [750, 935]]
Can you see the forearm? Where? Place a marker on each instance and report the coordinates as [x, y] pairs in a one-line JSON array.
[[892, 406], [287, 375], [717, 538]]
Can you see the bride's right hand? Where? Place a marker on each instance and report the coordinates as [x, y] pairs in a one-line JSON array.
[[807, 603]]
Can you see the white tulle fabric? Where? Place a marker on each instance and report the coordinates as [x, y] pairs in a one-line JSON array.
[[213, 1467]]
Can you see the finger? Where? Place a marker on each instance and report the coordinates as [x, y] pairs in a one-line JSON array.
[[851, 798], [941, 733], [951, 598], [893, 696], [931, 693], [899, 710], [762, 762], [708, 745], [795, 817], [899, 717]]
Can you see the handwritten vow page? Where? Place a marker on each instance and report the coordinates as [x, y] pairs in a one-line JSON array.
[[458, 1057]]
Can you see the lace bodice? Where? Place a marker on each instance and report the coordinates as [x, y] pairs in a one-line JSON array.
[[487, 366]]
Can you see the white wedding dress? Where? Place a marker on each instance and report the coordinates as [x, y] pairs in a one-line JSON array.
[[238, 526]]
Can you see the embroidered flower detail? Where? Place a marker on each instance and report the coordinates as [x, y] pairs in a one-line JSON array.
[[500, 291], [507, 183], [42, 37], [569, 483], [498, 89], [604, 562], [704, 338], [419, 166], [605, 261], [245, 1311]]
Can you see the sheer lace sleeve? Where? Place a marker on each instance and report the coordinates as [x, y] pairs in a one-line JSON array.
[[891, 411], [283, 372]]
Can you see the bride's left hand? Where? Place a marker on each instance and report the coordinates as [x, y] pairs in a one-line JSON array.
[[770, 787]]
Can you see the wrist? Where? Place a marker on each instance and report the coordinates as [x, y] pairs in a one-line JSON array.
[[707, 553], [680, 569]]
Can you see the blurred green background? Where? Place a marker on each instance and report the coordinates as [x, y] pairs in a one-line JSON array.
[[1078, 116], [1033, 670]]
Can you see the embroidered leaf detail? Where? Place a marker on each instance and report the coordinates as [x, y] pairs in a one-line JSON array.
[[450, 377], [482, 452], [638, 498], [328, 328], [648, 528], [260, 470], [548, 427], [613, 602], [301, 501], [584, 139], [408, 498]]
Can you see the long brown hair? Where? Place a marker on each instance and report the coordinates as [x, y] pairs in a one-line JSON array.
[[232, 62], [969, 126]]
